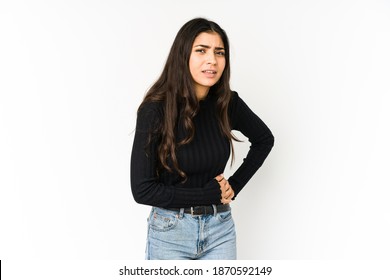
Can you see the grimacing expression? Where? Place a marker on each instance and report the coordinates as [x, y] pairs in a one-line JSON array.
[[207, 62]]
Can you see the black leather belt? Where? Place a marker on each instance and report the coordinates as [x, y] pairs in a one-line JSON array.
[[203, 210]]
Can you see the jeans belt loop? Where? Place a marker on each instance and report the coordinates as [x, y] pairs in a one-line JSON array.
[[215, 209], [181, 213]]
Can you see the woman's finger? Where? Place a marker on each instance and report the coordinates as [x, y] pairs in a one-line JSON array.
[[219, 178]]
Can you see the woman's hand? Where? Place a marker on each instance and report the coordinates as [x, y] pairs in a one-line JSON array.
[[226, 189]]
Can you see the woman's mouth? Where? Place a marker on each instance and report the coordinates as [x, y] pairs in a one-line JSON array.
[[209, 71]]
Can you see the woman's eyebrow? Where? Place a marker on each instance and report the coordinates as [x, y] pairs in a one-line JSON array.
[[208, 47]]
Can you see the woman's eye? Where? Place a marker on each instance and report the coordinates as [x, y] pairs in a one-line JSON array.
[[201, 51], [220, 53]]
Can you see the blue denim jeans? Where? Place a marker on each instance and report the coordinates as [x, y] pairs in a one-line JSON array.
[[175, 235]]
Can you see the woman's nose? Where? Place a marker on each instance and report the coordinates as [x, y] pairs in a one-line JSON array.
[[211, 59]]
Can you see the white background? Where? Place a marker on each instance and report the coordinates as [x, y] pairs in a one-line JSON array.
[[72, 74]]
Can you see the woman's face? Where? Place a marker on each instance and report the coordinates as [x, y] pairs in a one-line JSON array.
[[207, 62]]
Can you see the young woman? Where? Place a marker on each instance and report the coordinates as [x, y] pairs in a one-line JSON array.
[[181, 146]]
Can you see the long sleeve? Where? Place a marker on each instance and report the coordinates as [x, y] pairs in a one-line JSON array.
[[243, 119], [146, 186]]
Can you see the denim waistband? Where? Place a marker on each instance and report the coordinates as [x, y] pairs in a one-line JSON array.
[[203, 210]]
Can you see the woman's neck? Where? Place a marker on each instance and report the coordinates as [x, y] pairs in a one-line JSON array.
[[201, 93]]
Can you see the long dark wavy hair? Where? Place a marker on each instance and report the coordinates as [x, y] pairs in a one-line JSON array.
[[175, 89]]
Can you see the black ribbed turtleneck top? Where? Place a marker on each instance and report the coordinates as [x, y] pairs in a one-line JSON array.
[[202, 159]]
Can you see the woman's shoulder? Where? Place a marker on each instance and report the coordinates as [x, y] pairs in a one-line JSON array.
[[149, 116], [151, 107], [233, 96], [234, 99], [237, 108]]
